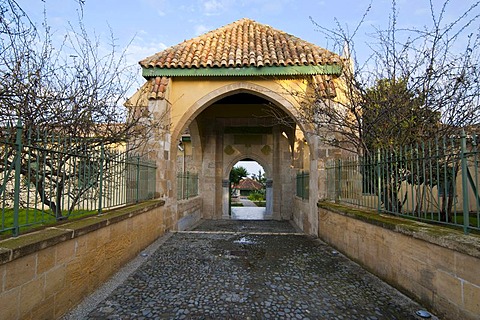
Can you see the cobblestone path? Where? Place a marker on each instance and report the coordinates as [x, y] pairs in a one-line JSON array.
[[228, 269]]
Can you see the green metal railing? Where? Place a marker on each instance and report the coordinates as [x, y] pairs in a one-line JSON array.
[[302, 183], [187, 185], [46, 178], [434, 181]]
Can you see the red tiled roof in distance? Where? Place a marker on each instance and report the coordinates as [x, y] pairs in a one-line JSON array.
[[248, 184], [244, 43]]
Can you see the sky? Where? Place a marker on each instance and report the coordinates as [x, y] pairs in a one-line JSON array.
[[252, 167], [150, 26]]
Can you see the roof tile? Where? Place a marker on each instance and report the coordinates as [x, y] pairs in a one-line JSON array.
[[248, 184], [244, 43], [159, 87]]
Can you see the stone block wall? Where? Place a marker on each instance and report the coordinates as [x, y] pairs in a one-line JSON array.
[[189, 212], [44, 274], [300, 214], [434, 265]]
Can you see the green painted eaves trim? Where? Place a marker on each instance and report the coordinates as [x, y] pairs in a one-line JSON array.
[[244, 71]]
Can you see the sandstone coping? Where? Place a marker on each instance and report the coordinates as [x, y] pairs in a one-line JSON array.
[[439, 235], [23, 245]]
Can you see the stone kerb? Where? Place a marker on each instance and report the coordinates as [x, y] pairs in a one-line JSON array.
[[432, 264], [46, 273]]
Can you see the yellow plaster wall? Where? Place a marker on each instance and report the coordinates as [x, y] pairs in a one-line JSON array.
[[185, 92], [187, 97]]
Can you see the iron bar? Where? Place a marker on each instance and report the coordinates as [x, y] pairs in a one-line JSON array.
[[432, 181], [18, 159], [466, 211], [46, 177]]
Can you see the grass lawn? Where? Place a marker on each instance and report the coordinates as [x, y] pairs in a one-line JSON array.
[[31, 218], [236, 204]]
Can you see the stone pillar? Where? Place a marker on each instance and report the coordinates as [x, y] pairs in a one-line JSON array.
[[219, 192], [277, 193], [269, 197], [226, 199], [207, 176], [158, 145], [313, 197]]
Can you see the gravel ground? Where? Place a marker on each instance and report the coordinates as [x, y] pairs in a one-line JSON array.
[[228, 269]]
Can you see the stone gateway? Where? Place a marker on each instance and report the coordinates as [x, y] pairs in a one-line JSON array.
[[234, 94]]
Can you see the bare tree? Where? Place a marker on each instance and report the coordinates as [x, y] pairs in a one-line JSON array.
[[414, 85], [71, 87], [69, 98], [432, 71]]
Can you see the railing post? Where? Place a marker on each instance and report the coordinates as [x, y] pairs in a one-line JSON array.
[[100, 185], [466, 216], [302, 184], [339, 179], [181, 180], [379, 182], [18, 163], [306, 184], [138, 179], [304, 190], [187, 180]]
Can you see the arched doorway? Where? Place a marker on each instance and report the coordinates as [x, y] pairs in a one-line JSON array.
[[242, 125], [250, 195], [216, 92]]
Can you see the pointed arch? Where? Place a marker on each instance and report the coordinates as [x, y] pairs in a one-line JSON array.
[[238, 87]]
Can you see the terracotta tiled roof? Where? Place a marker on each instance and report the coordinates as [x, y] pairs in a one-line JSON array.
[[249, 184], [324, 86], [244, 43], [159, 86]]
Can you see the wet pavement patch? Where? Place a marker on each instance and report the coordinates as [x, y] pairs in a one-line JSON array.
[[251, 270], [239, 253]]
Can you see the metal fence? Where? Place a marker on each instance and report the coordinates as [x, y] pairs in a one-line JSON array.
[[187, 185], [435, 182], [302, 183], [48, 178]]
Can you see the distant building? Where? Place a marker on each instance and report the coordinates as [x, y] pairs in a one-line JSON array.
[[247, 186]]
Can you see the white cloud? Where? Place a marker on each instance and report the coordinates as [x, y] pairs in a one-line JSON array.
[[141, 32], [267, 5], [161, 7], [201, 29], [139, 51], [186, 8], [216, 7], [213, 7]]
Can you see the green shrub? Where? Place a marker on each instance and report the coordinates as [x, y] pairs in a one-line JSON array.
[[256, 196]]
